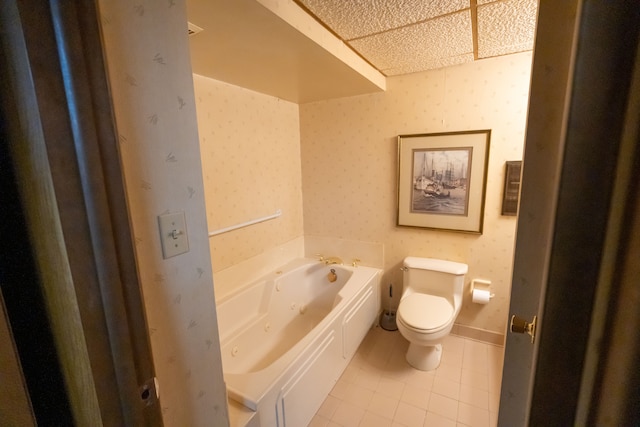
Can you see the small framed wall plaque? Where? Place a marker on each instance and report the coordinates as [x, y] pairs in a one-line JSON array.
[[511, 195]]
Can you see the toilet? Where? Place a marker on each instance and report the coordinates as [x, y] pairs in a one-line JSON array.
[[430, 302]]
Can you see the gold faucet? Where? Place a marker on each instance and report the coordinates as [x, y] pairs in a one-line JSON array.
[[332, 260]]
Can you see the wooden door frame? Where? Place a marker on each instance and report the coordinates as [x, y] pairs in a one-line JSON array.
[[589, 205], [64, 150], [15, 404], [607, 40]]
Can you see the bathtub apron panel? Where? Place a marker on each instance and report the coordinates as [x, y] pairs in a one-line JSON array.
[[357, 321], [308, 387]]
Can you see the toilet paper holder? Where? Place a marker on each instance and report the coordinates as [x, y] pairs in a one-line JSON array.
[[482, 285]]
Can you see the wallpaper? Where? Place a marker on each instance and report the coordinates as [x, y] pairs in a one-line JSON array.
[[250, 147], [347, 160], [147, 55], [349, 152]]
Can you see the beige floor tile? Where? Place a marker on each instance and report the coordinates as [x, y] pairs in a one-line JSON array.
[[475, 379], [435, 420], [475, 356], [382, 405], [377, 361], [350, 372], [329, 406], [471, 416], [475, 346], [446, 387], [358, 359], [398, 368], [453, 343], [370, 338], [390, 387], [449, 372], [421, 379], [495, 382], [416, 396], [443, 406], [381, 345], [410, 416], [358, 396], [398, 358], [373, 420], [368, 379], [474, 396], [339, 390], [319, 421], [496, 355], [348, 415], [380, 389], [451, 357]]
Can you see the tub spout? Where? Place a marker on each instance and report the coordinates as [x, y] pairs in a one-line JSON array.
[[332, 260]]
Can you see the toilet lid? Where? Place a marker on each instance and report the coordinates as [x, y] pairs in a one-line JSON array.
[[425, 312]]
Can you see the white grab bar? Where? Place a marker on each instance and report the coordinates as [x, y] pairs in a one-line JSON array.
[[245, 224]]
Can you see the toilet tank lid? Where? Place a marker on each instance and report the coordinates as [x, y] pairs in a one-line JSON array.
[[433, 264]]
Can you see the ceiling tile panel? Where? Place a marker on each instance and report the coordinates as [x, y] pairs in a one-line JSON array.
[[431, 42], [506, 27], [428, 64], [352, 19]]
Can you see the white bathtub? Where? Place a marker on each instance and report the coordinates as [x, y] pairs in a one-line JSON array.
[[287, 337]]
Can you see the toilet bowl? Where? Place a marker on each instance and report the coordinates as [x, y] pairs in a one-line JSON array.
[[430, 303]]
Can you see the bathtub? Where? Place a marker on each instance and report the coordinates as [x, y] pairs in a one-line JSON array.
[[287, 337]]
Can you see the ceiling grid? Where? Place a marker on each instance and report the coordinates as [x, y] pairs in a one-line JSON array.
[[407, 36]]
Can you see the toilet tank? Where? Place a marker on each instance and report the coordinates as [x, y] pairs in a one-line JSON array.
[[434, 276]]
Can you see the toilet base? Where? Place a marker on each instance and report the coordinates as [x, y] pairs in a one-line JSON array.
[[424, 358]]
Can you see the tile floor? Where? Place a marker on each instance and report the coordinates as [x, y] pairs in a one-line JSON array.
[[379, 388]]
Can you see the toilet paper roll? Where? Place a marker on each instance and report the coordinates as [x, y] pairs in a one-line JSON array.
[[481, 296]]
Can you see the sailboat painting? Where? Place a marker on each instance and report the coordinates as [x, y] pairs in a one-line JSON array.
[[440, 181]]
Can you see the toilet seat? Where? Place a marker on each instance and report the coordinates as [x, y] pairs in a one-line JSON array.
[[425, 313]]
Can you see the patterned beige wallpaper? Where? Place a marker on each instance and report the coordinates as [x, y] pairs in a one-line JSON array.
[[250, 153], [250, 145], [349, 150], [149, 69]]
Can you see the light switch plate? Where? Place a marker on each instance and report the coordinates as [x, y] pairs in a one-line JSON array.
[[173, 234]]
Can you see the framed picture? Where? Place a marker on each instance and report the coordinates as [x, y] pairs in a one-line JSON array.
[[442, 180], [511, 192]]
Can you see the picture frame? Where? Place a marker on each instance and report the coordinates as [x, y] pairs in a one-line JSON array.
[[442, 180], [511, 193]]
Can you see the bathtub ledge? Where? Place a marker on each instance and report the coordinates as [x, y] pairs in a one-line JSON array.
[[239, 415]]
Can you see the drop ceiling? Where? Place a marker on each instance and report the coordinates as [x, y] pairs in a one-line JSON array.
[[309, 50]]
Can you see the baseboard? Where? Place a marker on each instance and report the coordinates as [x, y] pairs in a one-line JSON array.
[[488, 337]]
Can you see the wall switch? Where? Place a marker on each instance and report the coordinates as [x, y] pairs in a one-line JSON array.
[[173, 234]]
